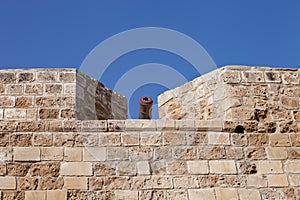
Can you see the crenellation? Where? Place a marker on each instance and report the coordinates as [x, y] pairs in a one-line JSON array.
[[229, 134]]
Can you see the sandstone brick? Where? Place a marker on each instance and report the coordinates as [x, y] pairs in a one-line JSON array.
[[293, 153], [32, 126], [94, 154], [277, 180], [48, 113], [7, 101], [290, 78], [174, 138], [69, 88], [7, 77], [36, 89], [115, 125], [159, 182], [176, 167], [238, 139], [158, 167], [292, 166], [130, 139], [64, 139], [45, 101], [27, 183], [165, 125], [116, 183], [46, 76], [248, 194], [1, 114], [24, 102], [13, 195], [239, 113], [218, 138], [57, 195], [6, 154], [76, 183], [104, 169], [86, 139], [143, 168], [137, 153], [15, 114], [294, 179], [2, 168], [184, 153], [185, 182], [52, 153], [234, 153], [42, 139], [25, 77], [21, 139], [223, 167], [150, 138], [255, 153], [96, 183], [289, 102], [272, 77], [8, 183], [195, 138], [231, 77], [17, 168], [50, 183], [14, 89], [73, 154], [126, 168], [226, 193], [126, 194], [211, 152], [45, 169], [197, 167], [76, 169], [67, 113], [258, 139], [279, 140], [26, 154], [94, 125], [253, 77], [257, 181], [117, 153], [110, 139], [269, 167], [185, 125], [277, 152], [177, 194], [201, 194], [4, 139], [140, 125], [33, 195]]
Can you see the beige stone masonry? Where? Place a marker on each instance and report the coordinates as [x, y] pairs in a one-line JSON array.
[[76, 168], [8, 183], [26, 154], [222, 167], [75, 183], [34, 195]]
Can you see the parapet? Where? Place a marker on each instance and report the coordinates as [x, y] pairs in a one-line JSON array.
[[56, 94]]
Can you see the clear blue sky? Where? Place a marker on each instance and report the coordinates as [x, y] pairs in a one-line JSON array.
[[62, 33]]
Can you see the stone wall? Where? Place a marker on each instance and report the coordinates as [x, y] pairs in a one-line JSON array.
[[61, 94], [243, 142], [148, 159]]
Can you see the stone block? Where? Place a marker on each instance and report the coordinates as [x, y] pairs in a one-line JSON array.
[[42, 139], [21, 139], [230, 77], [258, 139], [76, 183], [8, 183], [255, 153], [185, 182], [34, 195], [289, 102], [185, 125], [177, 194], [201, 194], [45, 169], [150, 138], [143, 168], [196, 138], [174, 138], [293, 153], [215, 138], [115, 125], [130, 138], [249, 194], [272, 77], [117, 153], [257, 181], [277, 152], [226, 193], [294, 179], [165, 125], [184, 153], [292, 166], [159, 182], [27, 183], [7, 77], [211, 152], [7, 101], [110, 139], [15, 89], [14, 114], [86, 139], [24, 102], [26, 154], [49, 113], [2, 168], [104, 169], [116, 183], [4, 139], [234, 153], [57, 195], [222, 167], [279, 140], [268, 167], [197, 167], [94, 125], [46, 76], [52, 153], [126, 194], [50, 183], [176, 167], [73, 154], [140, 125], [35, 89], [76, 169], [124, 168], [277, 180]]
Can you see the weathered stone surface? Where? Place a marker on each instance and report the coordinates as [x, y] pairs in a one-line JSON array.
[[17, 169], [28, 183], [8, 183], [255, 153], [50, 183], [21, 139], [76, 183], [27, 154], [76, 169], [45, 169]]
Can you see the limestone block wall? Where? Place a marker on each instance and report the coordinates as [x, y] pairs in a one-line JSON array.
[[147, 159], [61, 94], [237, 93]]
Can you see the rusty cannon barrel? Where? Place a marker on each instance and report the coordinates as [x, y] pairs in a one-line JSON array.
[[145, 108]]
